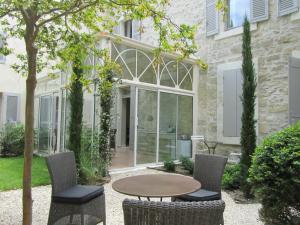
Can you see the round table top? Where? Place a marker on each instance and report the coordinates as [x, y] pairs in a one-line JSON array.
[[156, 185]]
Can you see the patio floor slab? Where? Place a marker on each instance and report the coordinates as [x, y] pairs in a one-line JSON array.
[[11, 205]]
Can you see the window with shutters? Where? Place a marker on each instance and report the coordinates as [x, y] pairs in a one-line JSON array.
[[294, 90], [259, 10], [212, 18], [232, 105], [286, 7], [237, 10], [129, 28]]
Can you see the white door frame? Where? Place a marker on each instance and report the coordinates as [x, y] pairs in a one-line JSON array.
[[159, 90]]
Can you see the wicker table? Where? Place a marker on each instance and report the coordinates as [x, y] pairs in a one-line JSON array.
[[156, 185]]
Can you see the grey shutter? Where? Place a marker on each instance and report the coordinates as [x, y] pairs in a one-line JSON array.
[[232, 105], [136, 29], [212, 18], [287, 6], [229, 103], [294, 90], [259, 10], [239, 105]]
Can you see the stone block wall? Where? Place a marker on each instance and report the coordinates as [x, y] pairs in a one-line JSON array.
[[274, 41]]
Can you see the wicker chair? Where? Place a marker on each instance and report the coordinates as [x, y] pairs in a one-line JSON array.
[[72, 203], [138, 212], [208, 170]]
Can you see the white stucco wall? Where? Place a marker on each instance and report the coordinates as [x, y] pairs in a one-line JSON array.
[[10, 81]]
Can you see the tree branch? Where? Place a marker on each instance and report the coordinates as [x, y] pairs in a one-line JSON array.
[[8, 12], [70, 11]]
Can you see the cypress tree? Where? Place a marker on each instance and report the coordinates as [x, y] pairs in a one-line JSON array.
[[248, 131], [76, 108]]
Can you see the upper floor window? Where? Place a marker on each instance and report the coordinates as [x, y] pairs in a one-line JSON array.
[[129, 28], [237, 10]]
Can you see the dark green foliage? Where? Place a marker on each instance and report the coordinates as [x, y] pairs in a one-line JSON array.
[[169, 165], [76, 106], [92, 167], [275, 176], [187, 164], [106, 95], [232, 177], [12, 140], [248, 131], [86, 138]]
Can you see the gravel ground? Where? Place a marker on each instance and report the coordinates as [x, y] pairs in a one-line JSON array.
[[11, 206]]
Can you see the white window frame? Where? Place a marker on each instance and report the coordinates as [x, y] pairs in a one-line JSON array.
[[226, 27], [5, 95]]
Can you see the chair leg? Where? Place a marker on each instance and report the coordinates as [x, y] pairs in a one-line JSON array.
[[82, 219], [71, 219]]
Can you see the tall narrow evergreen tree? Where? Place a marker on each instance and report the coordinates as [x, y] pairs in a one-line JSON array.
[[248, 133], [76, 108]]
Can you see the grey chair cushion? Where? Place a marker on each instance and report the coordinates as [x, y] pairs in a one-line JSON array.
[[200, 195], [78, 194]]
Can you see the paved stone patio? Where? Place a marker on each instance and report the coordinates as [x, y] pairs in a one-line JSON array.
[[11, 205]]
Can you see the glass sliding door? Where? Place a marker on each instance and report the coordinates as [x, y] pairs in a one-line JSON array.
[[175, 126], [167, 126], [184, 126], [45, 125], [146, 127]]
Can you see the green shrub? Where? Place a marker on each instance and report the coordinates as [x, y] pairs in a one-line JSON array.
[[275, 176], [187, 164], [92, 166], [12, 139], [232, 177], [169, 165]]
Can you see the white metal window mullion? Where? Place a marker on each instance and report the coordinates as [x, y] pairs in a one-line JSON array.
[[135, 126], [150, 64], [176, 134], [59, 121], [166, 66], [157, 126], [186, 75]]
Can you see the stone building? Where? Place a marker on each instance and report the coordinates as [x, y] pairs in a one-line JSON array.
[[159, 109], [275, 30]]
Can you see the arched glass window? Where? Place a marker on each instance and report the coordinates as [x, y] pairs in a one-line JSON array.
[[185, 76], [138, 65], [145, 69], [168, 75]]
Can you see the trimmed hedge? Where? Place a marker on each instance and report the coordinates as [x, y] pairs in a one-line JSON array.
[[275, 176], [187, 164], [169, 165], [232, 177]]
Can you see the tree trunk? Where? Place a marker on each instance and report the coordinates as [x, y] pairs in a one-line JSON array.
[[29, 124]]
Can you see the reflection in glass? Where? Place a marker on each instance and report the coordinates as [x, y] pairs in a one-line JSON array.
[[146, 127], [169, 74], [184, 126], [167, 126], [45, 122], [237, 10]]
